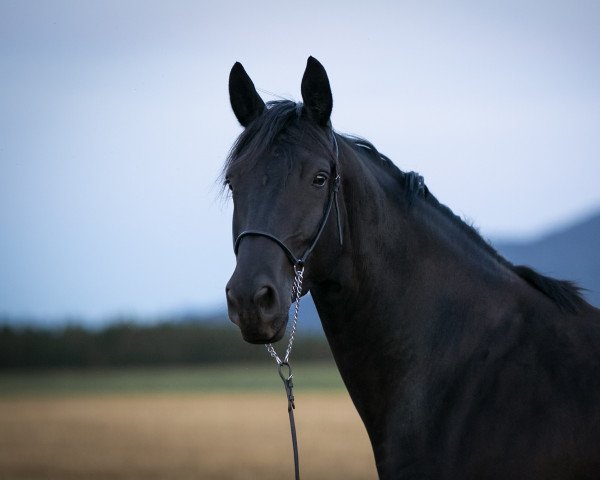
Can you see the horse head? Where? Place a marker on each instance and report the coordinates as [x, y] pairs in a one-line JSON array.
[[283, 174]]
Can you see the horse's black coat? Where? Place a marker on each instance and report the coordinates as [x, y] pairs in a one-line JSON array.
[[460, 364]]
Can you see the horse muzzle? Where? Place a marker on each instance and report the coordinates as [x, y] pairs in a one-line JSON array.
[[257, 307]]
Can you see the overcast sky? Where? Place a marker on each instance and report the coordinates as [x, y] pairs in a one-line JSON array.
[[115, 121]]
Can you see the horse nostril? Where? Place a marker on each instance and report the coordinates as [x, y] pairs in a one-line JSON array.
[[265, 298], [230, 297], [232, 307]]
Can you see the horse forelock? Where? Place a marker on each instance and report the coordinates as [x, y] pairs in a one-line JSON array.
[[282, 123]]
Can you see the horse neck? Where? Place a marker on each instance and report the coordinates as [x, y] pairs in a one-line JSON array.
[[394, 249], [403, 268]]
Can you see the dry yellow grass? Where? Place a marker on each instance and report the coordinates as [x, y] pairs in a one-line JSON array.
[[181, 436]]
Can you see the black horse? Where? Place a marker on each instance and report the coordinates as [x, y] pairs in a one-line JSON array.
[[460, 364]]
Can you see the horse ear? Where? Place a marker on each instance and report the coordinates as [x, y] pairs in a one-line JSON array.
[[316, 92], [245, 101]]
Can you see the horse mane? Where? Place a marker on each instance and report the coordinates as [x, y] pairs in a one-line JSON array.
[[566, 294], [281, 118]]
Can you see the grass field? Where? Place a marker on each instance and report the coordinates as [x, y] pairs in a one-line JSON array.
[[189, 423], [221, 378]]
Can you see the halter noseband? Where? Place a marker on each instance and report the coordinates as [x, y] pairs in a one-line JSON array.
[[333, 200]]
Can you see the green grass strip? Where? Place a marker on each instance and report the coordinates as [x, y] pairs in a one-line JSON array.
[[218, 378]]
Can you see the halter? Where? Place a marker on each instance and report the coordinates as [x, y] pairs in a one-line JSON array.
[[298, 263]]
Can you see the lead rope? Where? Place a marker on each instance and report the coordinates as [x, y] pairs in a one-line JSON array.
[[283, 366]]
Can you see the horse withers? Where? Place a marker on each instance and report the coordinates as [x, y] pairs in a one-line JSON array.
[[460, 364]]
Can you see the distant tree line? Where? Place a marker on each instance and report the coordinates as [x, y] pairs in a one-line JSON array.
[[133, 344]]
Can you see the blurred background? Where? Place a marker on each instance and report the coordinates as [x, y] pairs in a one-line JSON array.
[[116, 357]]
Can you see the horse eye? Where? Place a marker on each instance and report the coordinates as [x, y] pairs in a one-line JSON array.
[[228, 183], [320, 180]]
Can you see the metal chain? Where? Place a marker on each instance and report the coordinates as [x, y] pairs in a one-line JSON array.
[[296, 293], [282, 364]]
